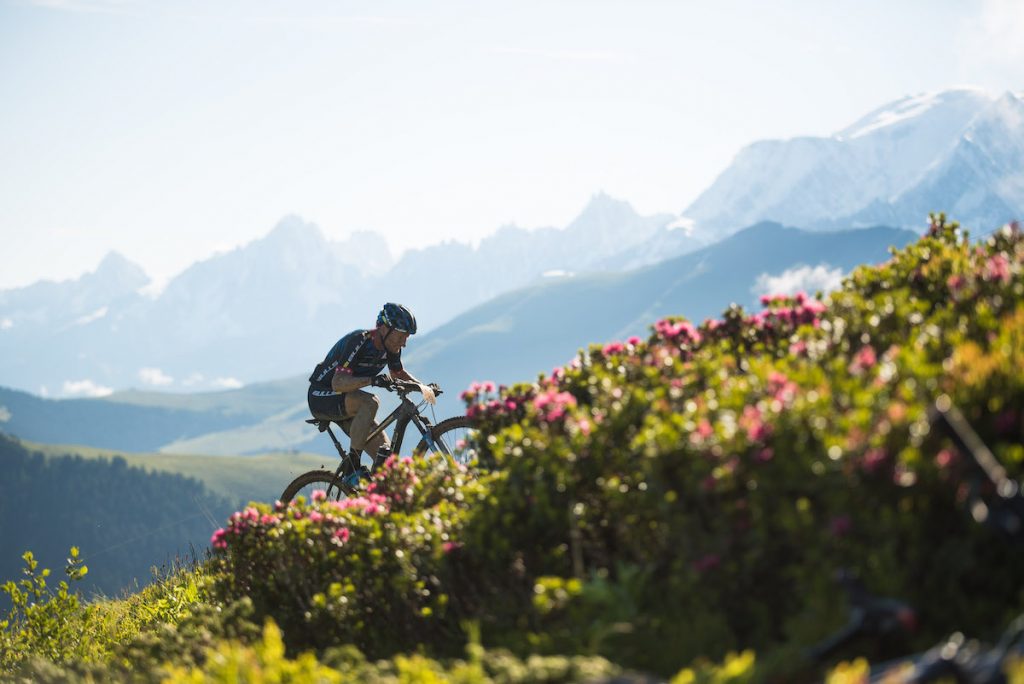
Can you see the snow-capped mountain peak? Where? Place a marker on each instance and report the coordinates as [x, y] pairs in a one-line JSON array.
[[921, 153]]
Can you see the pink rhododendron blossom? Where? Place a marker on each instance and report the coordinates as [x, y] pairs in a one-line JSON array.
[[342, 534], [873, 459], [634, 341], [316, 516], [682, 332], [707, 562], [218, 540], [584, 426], [450, 546], [864, 359], [755, 427], [552, 405], [613, 348], [765, 455], [944, 459], [998, 268], [840, 525], [781, 387], [704, 428], [318, 495]]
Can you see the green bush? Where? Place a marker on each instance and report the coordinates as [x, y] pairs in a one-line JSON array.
[[690, 494]]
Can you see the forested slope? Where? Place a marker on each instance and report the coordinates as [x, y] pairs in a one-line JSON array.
[[124, 519]]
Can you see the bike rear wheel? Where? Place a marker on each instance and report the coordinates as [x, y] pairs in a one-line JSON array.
[[452, 437], [307, 483]]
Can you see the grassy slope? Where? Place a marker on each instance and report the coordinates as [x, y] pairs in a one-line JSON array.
[[241, 478]]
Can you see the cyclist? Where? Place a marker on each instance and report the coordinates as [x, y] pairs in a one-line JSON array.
[[354, 362]]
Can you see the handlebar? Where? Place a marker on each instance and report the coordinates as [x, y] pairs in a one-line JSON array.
[[404, 387]]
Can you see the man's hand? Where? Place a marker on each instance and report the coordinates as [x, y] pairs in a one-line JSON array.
[[381, 381]]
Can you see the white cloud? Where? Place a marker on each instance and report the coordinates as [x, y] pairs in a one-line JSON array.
[[5, 414], [84, 388], [94, 316], [799, 279], [154, 376], [228, 383], [6, 324]]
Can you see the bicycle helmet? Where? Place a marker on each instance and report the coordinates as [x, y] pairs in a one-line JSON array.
[[397, 317]]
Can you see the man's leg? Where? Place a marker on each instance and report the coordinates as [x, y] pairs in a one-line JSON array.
[[363, 406]]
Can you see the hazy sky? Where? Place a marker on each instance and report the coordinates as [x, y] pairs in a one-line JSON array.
[[170, 129]]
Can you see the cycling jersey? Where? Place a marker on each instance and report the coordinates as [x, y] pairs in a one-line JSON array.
[[357, 355]]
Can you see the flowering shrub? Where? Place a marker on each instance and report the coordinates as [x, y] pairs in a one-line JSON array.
[[691, 494], [729, 469], [366, 570]]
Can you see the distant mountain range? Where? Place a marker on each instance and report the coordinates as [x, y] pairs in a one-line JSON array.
[[508, 339], [957, 151], [270, 309]]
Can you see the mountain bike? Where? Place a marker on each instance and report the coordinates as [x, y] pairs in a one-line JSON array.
[[994, 500], [447, 439]]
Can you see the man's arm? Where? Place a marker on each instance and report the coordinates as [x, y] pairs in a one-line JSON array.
[[344, 381], [404, 375]]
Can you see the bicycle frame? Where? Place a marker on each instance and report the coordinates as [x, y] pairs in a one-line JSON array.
[[406, 412]]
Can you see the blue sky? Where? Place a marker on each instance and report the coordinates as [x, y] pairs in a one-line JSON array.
[[169, 130]]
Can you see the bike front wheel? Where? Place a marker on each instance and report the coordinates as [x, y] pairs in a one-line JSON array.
[[307, 483], [452, 438]]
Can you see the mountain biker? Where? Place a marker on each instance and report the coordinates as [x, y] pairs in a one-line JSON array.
[[354, 362]]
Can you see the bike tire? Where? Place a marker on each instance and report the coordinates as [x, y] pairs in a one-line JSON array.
[[316, 477], [447, 435]]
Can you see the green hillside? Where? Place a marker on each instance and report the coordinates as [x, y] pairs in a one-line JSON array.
[[678, 505]]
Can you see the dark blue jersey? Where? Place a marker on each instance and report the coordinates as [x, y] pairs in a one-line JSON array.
[[357, 355]]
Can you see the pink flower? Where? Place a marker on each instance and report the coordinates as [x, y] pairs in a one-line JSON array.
[[756, 428], [315, 516], [707, 562], [764, 455], [614, 348], [864, 359], [840, 525], [634, 341], [342, 534], [552, 405], [584, 426], [218, 540], [682, 332], [704, 429], [998, 268], [318, 495], [955, 282], [944, 458], [873, 459], [487, 386], [450, 546]]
